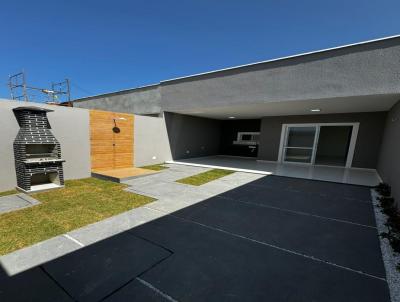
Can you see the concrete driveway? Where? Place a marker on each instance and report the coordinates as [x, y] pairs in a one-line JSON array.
[[271, 239]]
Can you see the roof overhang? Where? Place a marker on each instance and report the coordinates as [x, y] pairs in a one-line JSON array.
[[370, 103]]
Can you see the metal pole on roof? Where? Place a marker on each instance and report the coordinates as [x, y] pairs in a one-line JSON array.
[[68, 92], [24, 85], [17, 85], [19, 89]]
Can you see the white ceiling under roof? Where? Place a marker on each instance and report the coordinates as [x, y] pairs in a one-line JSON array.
[[368, 103]]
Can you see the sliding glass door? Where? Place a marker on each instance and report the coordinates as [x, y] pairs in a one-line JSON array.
[[300, 144], [329, 144], [333, 145]]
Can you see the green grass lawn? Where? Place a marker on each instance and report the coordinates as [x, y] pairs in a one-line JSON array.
[[158, 167], [205, 177], [81, 202], [5, 193]]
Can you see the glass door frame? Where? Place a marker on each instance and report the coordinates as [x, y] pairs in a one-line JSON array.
[[284, 138], [312, 148]]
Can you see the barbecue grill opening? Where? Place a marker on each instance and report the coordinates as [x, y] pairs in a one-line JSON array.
[[40, 151], [44, 178]]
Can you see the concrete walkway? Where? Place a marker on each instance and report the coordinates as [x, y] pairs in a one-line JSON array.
[[171, 196], [15, 202]]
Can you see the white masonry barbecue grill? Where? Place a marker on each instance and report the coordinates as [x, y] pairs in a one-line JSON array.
[[37, 152]]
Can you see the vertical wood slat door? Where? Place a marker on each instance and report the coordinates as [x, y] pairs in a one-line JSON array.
[[111, 149]]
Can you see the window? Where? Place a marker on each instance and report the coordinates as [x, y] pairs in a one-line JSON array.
[[247, 138]]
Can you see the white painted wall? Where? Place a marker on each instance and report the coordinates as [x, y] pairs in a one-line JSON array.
[[151, 144], [69, 125]]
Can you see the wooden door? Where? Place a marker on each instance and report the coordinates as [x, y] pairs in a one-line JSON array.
[[111, 140]]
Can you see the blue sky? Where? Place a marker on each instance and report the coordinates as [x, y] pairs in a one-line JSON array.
[[104, 46]]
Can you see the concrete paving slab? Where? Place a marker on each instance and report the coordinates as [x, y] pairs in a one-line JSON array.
[[114, 225], [136, 191], [28, 198], [168, 206], [164, 189], [227, 183], [160, 177], [190, 197], [190, 169], [16, 202], [98, 270], [240, 178], [214, 188], [209, 265], [12, 202], [304, 201], [138, 292], [336, 242], [32, 285], [39, 253]]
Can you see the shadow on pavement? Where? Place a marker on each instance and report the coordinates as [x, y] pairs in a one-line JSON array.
[[274, 239]]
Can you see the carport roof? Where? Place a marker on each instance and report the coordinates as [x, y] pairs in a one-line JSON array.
[[194, 76], [282, 58]]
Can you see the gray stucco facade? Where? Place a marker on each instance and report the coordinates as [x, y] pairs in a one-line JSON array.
[[368, 141], [389, 159], [358, 71], [69, 125], [192, 136], [352, 84], [144, 100], [368, 69]]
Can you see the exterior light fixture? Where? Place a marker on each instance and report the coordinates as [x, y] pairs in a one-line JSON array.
[[315, 110], [231, 117], [116, 129]]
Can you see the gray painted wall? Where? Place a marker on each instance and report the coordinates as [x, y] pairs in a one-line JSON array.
[[368, 142], [358, 71], [369, 69], [389, 159], [192, 136], [69, 125], [144, 100], [151, 144]]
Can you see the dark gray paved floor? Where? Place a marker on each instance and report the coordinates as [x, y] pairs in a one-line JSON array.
[[276, 239]]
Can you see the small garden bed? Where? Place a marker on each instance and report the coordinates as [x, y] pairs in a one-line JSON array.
[[81, 202], [158, 167], [388, 223], [205, 177], [389, 208]]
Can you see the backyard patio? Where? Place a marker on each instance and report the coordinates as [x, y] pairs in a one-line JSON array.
[[239, 237], [200, 151]]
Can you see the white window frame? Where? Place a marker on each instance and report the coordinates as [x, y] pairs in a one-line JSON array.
[[239, 140], [350, 154]]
